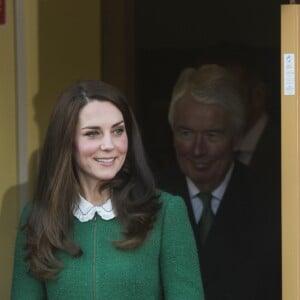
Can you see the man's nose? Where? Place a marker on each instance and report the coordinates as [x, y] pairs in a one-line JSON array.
[[200, 145]]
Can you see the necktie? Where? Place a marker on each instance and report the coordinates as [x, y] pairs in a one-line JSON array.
[[207, 217]]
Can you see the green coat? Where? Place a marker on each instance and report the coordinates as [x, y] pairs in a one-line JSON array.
[[164, 267]]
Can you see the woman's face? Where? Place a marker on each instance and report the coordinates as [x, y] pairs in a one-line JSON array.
[[101, 143]]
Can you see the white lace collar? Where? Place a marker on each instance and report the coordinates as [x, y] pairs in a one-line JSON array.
[[85, 211]]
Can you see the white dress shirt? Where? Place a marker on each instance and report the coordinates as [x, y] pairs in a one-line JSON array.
[[217, 195]]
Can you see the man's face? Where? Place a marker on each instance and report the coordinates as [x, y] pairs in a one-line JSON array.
[[204, 142]]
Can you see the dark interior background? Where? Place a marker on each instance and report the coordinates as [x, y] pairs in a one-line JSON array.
[[171, 35]]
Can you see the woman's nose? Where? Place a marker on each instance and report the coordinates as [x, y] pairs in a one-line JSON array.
[[106, 142]]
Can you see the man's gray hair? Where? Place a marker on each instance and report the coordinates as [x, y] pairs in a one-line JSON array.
[[211, 84]]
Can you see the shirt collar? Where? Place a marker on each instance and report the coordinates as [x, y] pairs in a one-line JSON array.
[[250, 140], [85, 211]]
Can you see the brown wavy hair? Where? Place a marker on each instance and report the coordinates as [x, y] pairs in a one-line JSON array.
[[50, 220]]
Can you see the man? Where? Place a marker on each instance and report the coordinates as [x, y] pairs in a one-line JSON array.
[[207, 117], [260, 147]]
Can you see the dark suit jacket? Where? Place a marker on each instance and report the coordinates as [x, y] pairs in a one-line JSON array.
[[236, 262]]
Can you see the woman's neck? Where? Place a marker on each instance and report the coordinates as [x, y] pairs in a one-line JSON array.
[[95, 195]]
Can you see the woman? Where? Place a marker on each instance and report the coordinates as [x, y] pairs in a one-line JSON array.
[[97, 228]]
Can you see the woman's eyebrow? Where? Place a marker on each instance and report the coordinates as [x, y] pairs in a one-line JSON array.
[[90, 127], [118, 123], [97, 127]]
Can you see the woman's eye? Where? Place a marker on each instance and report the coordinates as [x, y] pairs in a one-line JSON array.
[[118, 131], [91, 133]]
